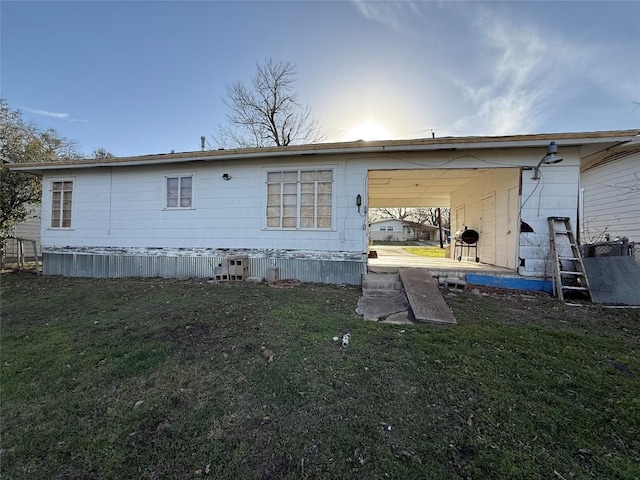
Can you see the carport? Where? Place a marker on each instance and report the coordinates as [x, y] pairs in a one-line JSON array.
[[483, 199]]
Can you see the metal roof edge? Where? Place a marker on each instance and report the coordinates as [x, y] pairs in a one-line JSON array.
[[357, 147]]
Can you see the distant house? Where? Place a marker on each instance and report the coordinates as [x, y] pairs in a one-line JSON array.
[[28, 230], [610, 195], [303, 208], [394, 230]]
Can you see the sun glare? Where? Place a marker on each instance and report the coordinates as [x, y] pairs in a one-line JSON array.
[[368, 131]]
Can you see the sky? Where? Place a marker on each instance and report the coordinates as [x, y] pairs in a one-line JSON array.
[[149, 77]]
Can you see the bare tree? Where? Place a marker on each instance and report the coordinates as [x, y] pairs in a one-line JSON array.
[[401, 213], [429, 216], [268, 112], [425, 216], [102, 153]]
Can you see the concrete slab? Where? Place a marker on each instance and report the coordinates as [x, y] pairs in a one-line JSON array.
[[613, 280], [425, 299], [400, 318], [374, 283], [452, 282], [377, 307]]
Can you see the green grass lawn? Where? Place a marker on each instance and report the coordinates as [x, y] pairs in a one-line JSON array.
[[123, 379], [432, 252]]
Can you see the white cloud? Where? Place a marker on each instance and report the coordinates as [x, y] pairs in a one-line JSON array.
[[61, 116], [524, 72], [532, 76], [509, 69], [392, 14], [507, 73]]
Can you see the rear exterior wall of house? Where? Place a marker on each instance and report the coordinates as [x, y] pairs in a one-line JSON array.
[[265, 210], [120, 215], [127, 207]]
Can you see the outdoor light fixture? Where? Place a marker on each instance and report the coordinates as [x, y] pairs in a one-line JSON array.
[[549, 159], [226, 176]]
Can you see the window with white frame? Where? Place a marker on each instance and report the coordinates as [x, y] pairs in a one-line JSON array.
[[61, 197], [179, 191], [300, 199]]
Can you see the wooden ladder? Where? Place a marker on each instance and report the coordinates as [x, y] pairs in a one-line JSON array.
[[569, 272]]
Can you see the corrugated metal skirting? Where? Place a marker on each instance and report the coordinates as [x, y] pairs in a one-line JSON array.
[[347, 272]]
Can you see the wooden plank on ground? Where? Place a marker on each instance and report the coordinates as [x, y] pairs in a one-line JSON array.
[[427, 303]]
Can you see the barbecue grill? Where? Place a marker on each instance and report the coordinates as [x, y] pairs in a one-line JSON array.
[[466, 239]]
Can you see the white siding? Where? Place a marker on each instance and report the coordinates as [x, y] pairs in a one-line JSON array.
[[468, 199], [612, 199], [28, 230], [555, 194], [396, 235], [123, 207]]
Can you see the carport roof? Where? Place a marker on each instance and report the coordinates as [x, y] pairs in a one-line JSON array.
[[417, 188], [357, 147]]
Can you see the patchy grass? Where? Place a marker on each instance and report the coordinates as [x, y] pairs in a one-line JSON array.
[[432, 252], [164, 379], [395, 243]]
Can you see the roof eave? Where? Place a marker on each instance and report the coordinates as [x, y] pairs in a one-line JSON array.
[[359, 147]]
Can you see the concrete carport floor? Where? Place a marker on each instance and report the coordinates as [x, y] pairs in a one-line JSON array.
[[392, 256]]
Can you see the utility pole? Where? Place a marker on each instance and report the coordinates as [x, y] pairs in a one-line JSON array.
[[440, 227]]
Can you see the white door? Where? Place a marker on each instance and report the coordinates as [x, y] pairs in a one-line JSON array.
[[487, 252]]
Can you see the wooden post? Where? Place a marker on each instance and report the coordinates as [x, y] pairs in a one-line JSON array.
[[35, 256], [20, 245]]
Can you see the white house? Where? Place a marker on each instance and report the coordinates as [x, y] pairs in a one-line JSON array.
[[394, 230], [304, 208], [391, 230], [610, 195], [23, 236]]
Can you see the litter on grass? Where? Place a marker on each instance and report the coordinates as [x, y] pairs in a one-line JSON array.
[[345, 340]]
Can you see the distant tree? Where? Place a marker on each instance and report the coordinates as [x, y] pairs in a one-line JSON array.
[[267, 112], [22, 142], [376, 214], [429, 216], [102, 153], [425, 216]]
